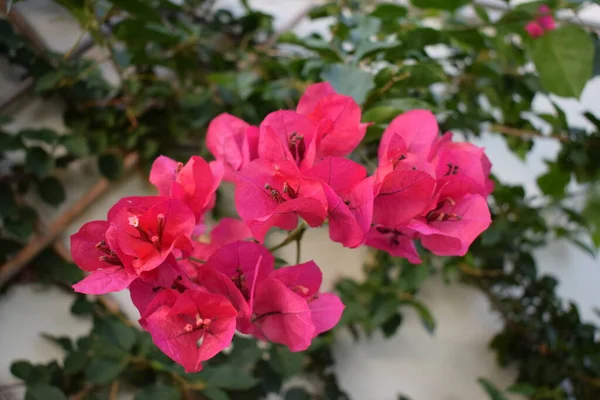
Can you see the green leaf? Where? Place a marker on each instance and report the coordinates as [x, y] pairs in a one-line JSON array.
[[111, 165], [426, 318], [227, 377], [324, 11], [391, 325], [81, 306], [43, 135], [285, 362], [20, 223], [297, 394], [139, 8], [564, 68], [387, 110], [51, 191], [63, 341], [101, 371], [10, 142], [117, 333], [38, 162], [47, 81], [366, 48], [522, 388], [491, 389], [8, 204], [158, 391], [75, 361], [554, 182], [76, 145], [44, 392], [214, 393], [449, 5], [389, 12], [349, 80], [22, 369]]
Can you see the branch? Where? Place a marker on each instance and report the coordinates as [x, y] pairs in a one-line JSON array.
[[294, 235], [37, 244]]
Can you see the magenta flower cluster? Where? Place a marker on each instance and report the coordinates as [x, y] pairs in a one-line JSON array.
[[194, 295]]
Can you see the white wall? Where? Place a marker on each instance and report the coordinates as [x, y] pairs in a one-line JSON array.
[[440, 367]]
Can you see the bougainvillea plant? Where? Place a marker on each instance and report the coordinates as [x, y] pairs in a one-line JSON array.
[[193, 296]]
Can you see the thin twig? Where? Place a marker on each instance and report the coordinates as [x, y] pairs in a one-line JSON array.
[[114, 391], [37, 244], [526, 133], [296, 234], [479, 273]]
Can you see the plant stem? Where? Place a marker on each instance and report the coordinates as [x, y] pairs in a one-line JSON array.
[[296, 234], [298, 249]]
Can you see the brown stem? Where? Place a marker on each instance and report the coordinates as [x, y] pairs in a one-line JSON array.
[[39, 243], [114, 391], [479, 273], [526, 133]]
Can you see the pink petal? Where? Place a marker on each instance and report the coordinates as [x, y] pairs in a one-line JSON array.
[[326, 310], [83, 245], [227, 140], [418, 129], [305, 279], [402, 196], [283, 316], [396, 244], [534, 29], [163, 173], [135, 204], [229, 230], [105, 280], [339, 129], [312, 95], [339, 173]]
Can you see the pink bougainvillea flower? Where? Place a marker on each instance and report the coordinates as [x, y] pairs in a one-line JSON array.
[[169, 275], [465, 159], [233, 142], [341, 174], [190, 327], [274, 194], [403, 194], [312, 95], [534, 29], [287, 135], [246, 264], [91, 253], [418, 130], [450, 228], [150, 236], [281, 315], [350, 214], [397, 242], [194, 184], [337, 117], [305, 279]]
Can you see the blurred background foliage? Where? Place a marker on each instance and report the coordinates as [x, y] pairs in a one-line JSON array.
[[179, 64]]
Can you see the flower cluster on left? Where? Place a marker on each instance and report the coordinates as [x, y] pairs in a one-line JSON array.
[[192, 296]]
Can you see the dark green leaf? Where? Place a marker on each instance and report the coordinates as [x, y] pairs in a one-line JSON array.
[[297, 394], [522, 388], [38, 162], [159, 391], [554, 182], [214, 393], [286, 362], [391, 325], [22, 369], [48, 81], [8, 205], [349, 80], [424, 313], [491, 389], [63, 341], [389, 12], [449, 5], [76, 145], [9, 142], [104, 370], [387, 110], [564, 69], [44, 392], [111, 165], [75, 361], [139, 8], [227, 377], [43, 135], [51, 191]]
